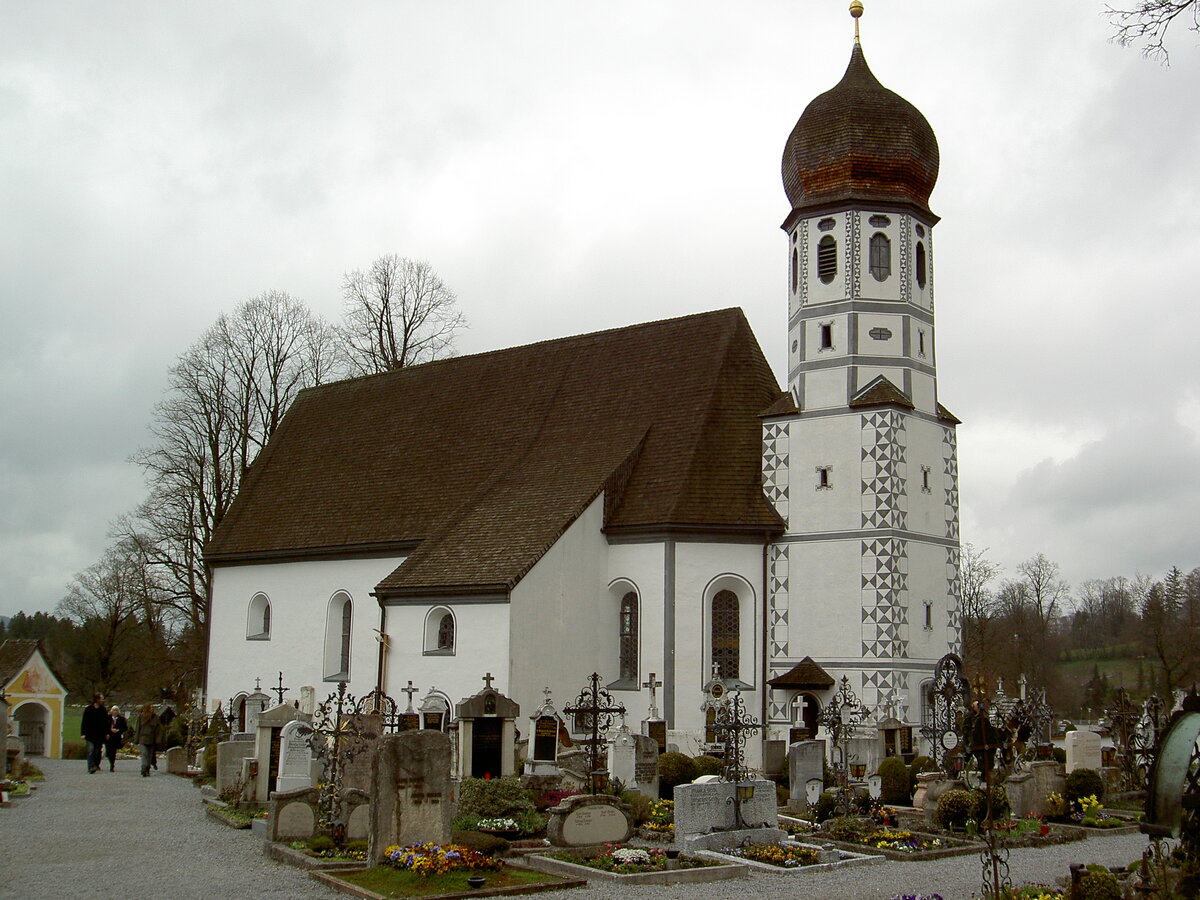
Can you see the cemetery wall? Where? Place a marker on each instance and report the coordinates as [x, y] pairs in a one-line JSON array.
[[299, 593]]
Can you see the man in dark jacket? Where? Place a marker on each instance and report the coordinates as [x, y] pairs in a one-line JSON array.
[[95, 729]]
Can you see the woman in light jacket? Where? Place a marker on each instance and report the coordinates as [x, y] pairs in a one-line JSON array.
[[149, 735]]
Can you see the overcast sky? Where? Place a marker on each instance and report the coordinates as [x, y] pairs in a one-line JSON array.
[[569, 167]]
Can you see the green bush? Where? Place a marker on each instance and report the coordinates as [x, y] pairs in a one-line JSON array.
[[674, 769], [825, 806], [320, 843], [708, 765], [1059, 754], [979, 806], [1099, 884], [529, 821], [893, 778], [639, 806], [493, 797], [953, 809], [917, 766], [487, 844], [1084, 783], [355, 847]]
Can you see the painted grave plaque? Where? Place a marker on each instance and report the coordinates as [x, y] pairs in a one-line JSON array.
[[545, 739]]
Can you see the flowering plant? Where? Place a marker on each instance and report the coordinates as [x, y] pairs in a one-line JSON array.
[[435, 859], [662, 816], [917, 897], [1056, 804], [786, 856], [625, 860], [902, 841], [497, 824]]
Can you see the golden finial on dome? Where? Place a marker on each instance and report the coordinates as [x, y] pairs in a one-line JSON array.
[[856, 10]]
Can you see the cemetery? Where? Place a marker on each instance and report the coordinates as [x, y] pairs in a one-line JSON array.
[[372, 792]]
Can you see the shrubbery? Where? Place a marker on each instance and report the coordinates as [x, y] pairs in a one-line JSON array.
[[487, 844], [493, 797], [894, 784], [674, 769], [1084, 783], [708, 765], [954, 807]]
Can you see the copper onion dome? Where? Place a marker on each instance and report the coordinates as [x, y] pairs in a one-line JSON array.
[[860, 142]]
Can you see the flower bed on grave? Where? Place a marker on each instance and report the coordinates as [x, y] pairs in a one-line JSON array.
[[319, 853], [789, 857], [634, 865], [903, 844]]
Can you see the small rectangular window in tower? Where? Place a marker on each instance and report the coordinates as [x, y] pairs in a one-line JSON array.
[[928, 616], [925, 480], [921, 344], [824, 478], [826, 341]]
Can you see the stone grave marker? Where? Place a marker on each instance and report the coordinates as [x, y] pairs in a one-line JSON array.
[[645, 765], [266, 747], [295, 758], [308, 699], [487, 734], [704, 809], [813, 788], [1083, 750], [875, 786], [252, 708], [229, 762], [176, 761], [588, 819], [622, 752], [413, 795], [356, 767], [806, 762]]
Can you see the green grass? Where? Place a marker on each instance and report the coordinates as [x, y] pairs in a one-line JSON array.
[[391, 882], [72, 719]]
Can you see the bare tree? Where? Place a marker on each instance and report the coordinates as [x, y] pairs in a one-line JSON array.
[[1147, 22], [397, 313], [978, 603], [226, 396]]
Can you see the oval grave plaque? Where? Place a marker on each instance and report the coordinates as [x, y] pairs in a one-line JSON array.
[[597, 824]]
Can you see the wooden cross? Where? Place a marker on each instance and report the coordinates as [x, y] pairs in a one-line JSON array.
[[410, 690], [488, 679]]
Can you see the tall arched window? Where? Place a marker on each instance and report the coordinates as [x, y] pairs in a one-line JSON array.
[[258, 618], [795, 271], [827, 259], [445, 637], [881, 256], [629, 637], [921, 274], [338, 624], [440, 632], [726, 644]]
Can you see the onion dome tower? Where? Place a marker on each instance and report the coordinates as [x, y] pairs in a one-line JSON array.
[[863, 463]]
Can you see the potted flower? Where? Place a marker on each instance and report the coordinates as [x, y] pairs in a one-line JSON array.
[[501, 826]]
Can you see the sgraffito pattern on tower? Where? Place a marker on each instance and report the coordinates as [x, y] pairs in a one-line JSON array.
[[853, 253], [777, 594], [884, 492], [803, 261], [950, 481], [885, 692], [775, 461], [905, 251], [885, 598], [954, 598]]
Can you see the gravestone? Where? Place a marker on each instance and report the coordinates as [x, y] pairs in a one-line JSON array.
[[308, 699], [656, 730], [229, 763], [813, 789], [710, 809], [266, 747], [806, 762], [487, 734], [1083, 750], [875, 786], [622, 752], [645, 765], [413, 795], [293, 815], [356, 765], [253, 707], [176, 761], [295, 758], [589, 819], [542, 749]]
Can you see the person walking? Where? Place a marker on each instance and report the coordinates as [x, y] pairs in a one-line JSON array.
[[94, 730], [149, 735], [117, 726]]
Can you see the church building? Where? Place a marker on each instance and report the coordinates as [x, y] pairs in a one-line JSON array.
[[647, 502]]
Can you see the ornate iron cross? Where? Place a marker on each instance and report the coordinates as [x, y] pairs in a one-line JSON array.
[[596, 711], [280, 690], [733, 726], [336, 735]]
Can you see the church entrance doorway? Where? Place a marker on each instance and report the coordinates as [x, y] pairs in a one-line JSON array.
[[486, 758]]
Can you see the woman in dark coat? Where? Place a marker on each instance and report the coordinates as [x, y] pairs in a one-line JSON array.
[[117, 726]]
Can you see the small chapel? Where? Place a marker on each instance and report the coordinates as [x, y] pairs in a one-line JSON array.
[[647, 502]]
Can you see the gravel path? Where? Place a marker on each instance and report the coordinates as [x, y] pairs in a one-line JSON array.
[[150, 837]]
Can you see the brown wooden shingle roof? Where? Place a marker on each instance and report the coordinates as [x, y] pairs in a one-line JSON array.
[[14, 653], [481, 462]]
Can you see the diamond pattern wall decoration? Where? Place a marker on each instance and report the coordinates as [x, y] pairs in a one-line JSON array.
[[905, 252], [885, 598], [775, 462], [886, 692], [884, 470], [803, 241], [954, 599], [853, 253], [950, 481], [778, 600]]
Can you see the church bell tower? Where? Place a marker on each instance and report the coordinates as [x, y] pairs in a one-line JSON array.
[[863, 465]]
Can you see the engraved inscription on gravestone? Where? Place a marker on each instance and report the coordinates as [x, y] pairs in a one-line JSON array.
[[545, 739]]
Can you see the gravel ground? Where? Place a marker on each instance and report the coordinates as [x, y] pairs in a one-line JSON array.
[[118, 833]]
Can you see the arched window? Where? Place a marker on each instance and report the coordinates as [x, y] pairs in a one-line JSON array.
[[927, 702], [795, 271], [881, 256], [629, 637], [440, 632], [726, 644], [258, 618], [827, 259], [338, 623], [921, 265]]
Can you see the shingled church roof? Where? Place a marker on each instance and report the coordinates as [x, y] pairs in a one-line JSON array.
[[479, 463]]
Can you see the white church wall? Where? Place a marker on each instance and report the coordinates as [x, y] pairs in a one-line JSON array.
[[824, 618], [824, 389], [480, 646], [889, 226], [924, 392], [299, 593], [563, 623], [888, 339], [836, 289], [640, 565], [927, 584], [827, 442], [926, 508]]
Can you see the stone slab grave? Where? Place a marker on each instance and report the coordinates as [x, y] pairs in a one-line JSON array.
[[229, 763], [176, 761], [705, 815], [806, 763], [295, 758], [588, 819], [1083, 750], [414, 799], [266, 747], [356, 765], [633, 759]]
